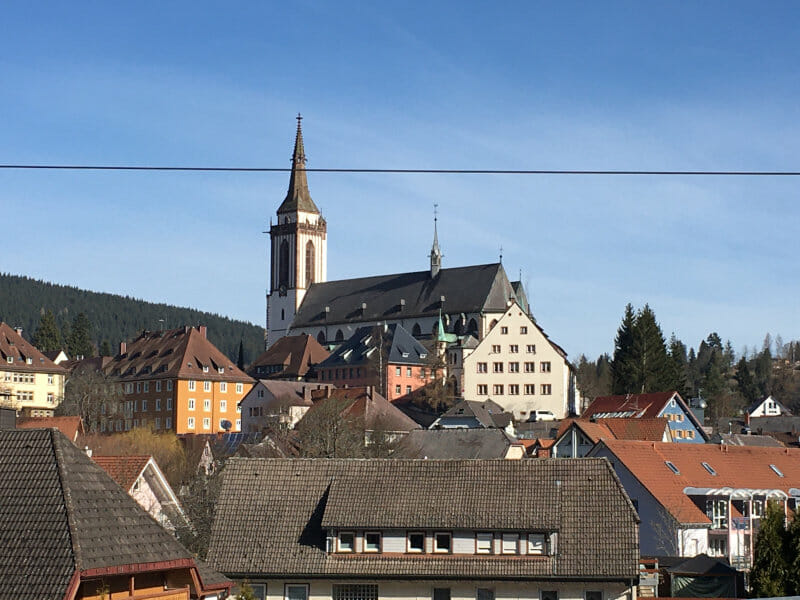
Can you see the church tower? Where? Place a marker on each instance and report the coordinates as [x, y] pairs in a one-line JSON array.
[[298, 248]]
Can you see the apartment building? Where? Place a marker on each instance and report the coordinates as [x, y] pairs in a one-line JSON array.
[[177, 380], [30, 382]]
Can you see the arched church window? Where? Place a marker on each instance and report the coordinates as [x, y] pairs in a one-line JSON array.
[[472, 328], [339, 336], [283, 264], [458, 328], [416, 331], [310, 256], [321, 337]]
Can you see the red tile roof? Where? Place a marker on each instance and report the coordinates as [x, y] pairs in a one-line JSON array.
[[183, 353], [735, 467], [69, 426], [125, 470], [621, 429], [365, 403], [631, 405], [24, 355], [297, 354]]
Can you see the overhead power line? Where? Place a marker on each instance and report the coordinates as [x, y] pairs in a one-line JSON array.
[[408, 171]]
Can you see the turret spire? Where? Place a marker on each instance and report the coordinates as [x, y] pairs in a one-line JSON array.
[[436, 253], [298, 197]]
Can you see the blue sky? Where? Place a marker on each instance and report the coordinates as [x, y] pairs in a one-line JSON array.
[[528, 85]]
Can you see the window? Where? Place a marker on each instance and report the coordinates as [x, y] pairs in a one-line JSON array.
[[158, 404], [483, 389], [398, 371], [207, 405], [346, 542], [530, 348], [530, 389], [495, 349], [484, 594], [416, 541], [205, 368], [513, 367], [49, 380], [497, 367], [169, 385], [169, 403], [158, 386], [510, 543], [206, 423], [593, 595], [708, 468], [146, 386], [238, 424], [548, 595], [50, 397], [223, 386], [482, 367], [192, 385], [483, 542], [672, 467], [223, 406], [157, 423], [530, 367], [536, 543], [544, 367], [776, 470], [442, 542], [190, 423], [504, 330], [408, 389], [372, 541], [717, 546], [206, 386], [398, 389], [294, 591], [309, 263], [144, 405], [355, 591], [497, 389], [441, 593], [513, 348], [513, 389], [239, 388], [523, 329], [191, 403], [547, 389], [408, 371]]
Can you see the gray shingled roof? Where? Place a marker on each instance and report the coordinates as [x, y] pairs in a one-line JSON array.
[[272, 514], [61, 512], [454, 444], [465, 289], [400, 346]]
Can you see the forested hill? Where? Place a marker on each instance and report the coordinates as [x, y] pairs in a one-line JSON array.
[[116, 318]]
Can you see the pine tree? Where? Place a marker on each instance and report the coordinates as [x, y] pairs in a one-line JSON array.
[[240, 360], [792, 550], [79, 342], [47, 337], [679, 364], [744, 381], [622, 369], [105, 349], [769, 573]]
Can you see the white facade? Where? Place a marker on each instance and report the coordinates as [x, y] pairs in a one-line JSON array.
[[516, 366]]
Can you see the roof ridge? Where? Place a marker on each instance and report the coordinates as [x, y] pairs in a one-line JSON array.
[[77, 556]]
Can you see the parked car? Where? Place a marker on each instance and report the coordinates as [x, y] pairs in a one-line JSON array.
[[542, 415]]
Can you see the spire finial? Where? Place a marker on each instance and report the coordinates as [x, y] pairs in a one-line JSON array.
[[501, 255], [436, 253], [298, 196]]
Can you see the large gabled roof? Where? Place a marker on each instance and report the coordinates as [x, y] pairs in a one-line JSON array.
[[734, 467], [633, 406], [647, 429], [71, 427], [23, 355], [397, 344], [183, 353], [125, 470], [465, 290], [63, 517], [454, 444], [297, 354], [272, 516]]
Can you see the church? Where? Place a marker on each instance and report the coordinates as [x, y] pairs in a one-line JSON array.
[[300, 299]]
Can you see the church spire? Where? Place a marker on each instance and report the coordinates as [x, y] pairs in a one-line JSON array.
[[298, 197], [436, 253]]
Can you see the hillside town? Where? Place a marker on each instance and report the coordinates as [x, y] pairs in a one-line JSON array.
[[412, 435]]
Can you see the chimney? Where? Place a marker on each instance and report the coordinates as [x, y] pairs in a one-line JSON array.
[[88, 451], [747, 419], [306, 393], [18, 329], [368, 390], [328, 392], [123, 347], [203, 330]]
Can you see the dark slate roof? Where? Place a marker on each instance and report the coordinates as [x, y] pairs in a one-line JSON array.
[[400, 346], [62, 513], [454, 444], [272, 513], [487, 413], [465, 289], [522, 297], [702, 564]]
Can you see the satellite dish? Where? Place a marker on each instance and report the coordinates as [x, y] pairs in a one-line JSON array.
[[226, 425]]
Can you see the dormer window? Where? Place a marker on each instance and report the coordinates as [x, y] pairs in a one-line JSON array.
[[205, 368], [416, 541], [510, 543], [220, 370], [372, 541], [536, 543], [483, 542], [10, 359], [29, 360], [443, 542], [346, 541]]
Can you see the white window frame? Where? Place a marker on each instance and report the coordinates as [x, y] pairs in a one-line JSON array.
[[373, 548], [342, 547], [191, 404], [190, 423], [444, 548], [506, 540], [410, 548], [223, 386], [537, 544], [482, 538], [207, 423], [239, 388], [192, 385], [293, 586]]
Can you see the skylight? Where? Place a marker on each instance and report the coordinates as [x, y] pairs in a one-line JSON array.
[[672, 467], [709, 468], [777, 470]]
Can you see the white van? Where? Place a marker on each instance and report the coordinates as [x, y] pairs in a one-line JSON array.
[[542, 415]]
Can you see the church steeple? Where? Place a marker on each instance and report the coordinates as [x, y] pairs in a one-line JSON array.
[[298, 197], [436, 253]]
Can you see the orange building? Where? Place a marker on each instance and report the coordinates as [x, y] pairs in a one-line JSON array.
[[176, 380]]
